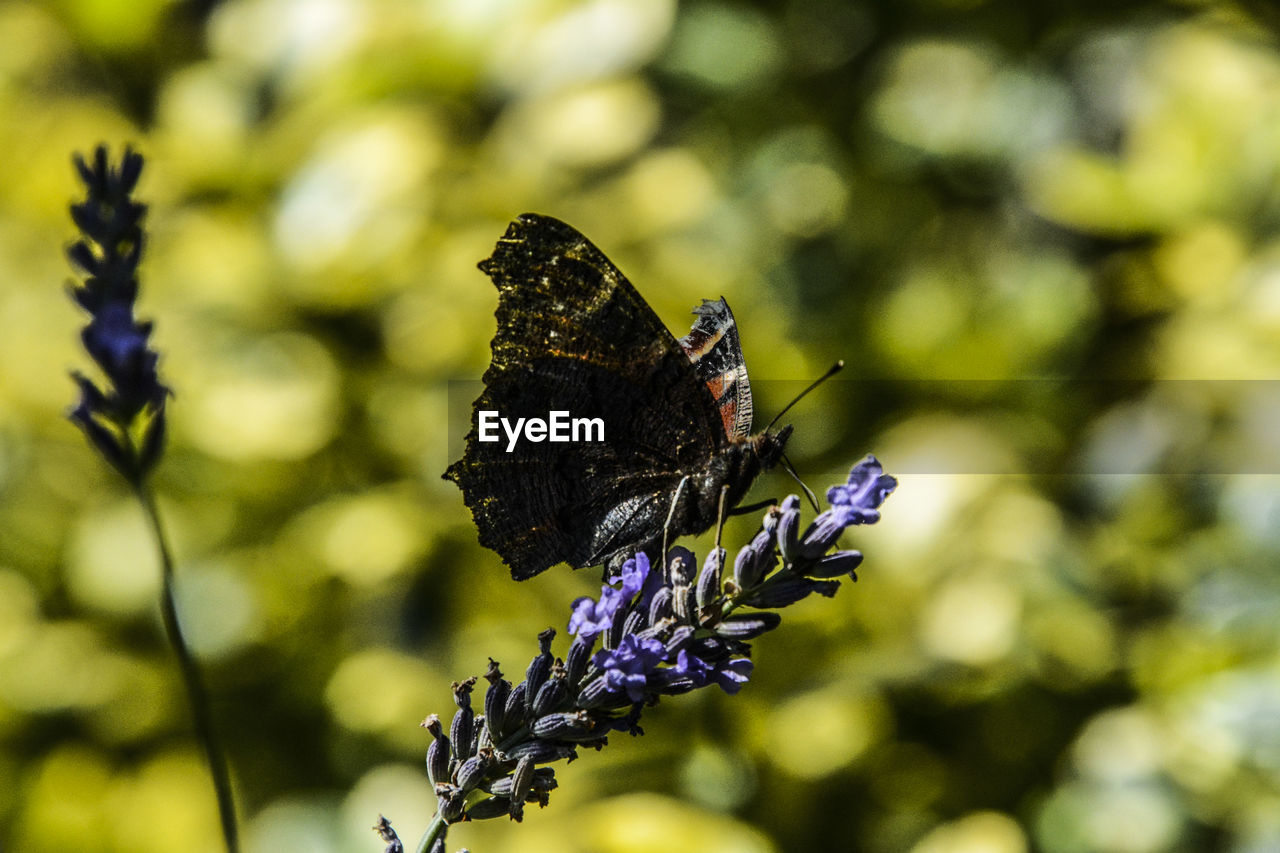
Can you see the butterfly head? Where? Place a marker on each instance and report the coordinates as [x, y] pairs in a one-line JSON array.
[[769, 446]]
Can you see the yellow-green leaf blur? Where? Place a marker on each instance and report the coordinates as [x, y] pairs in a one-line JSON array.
[[1044, 238]]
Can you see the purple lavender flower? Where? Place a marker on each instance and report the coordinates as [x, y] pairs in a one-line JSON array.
[[730, 675], [628, 666], [634, 572], [108, 252], [592, 617], [865, 490], [853, 502]]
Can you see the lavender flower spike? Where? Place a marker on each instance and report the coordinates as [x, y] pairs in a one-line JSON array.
[[661, 637], [126, 422]]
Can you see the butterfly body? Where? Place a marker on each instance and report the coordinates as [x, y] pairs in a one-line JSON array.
[[575, 336]]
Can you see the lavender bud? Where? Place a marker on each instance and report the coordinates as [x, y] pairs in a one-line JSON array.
[[153, 440], [488, 809], [821, 535], [564, 725], [679, 638], [495, 706], [460, 733], [522, 779], [542, 781], [634, 623], [716, 650], [471, 772], [835, 565], [766, 556], [462, 692], [789, 590], [680, 566], [549, 697], [789, 530], [480, 735], [387, 834], [772, 515], [539, 668], [437, 846], [514, 713], [451, 801], [597, 694], [541, 751], [432, 725], [745, 571], [577, 659], [103, 439], [82, 256], [593, 694], [613, 636], [91, 399], [709, 580], [660, 605], [684, 603], [747, 626], [656, 632], [438, 760], [131, 168], [521, 782], [674, 685], [744, 566]]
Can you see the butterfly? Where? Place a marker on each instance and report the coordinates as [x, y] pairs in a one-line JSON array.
[[575, 336]]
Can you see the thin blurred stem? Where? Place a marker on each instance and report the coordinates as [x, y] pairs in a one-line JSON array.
[[433, 832], [197, 698]]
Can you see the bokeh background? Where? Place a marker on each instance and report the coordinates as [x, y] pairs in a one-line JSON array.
[[1043, 236]]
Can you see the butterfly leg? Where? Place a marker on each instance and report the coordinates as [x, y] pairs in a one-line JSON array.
[[671, 514], [720, 515]]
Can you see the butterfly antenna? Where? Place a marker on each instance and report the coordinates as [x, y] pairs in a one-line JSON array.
[[808, 492], [671, 514], [834, 369]]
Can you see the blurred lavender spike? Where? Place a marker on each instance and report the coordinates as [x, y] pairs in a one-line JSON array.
[[126, 421]]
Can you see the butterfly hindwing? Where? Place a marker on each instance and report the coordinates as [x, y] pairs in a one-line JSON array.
[[713, 347]]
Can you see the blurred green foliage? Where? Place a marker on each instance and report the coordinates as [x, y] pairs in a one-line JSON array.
[[1065, 635]]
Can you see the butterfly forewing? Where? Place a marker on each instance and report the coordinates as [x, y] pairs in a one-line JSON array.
[[573, 335]]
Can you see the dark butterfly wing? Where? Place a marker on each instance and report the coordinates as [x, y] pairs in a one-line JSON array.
[[713, 347], [573, 335]]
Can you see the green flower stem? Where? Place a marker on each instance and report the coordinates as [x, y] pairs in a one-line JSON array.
[[197, 697], [433, 832]]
